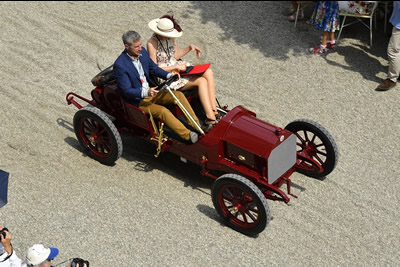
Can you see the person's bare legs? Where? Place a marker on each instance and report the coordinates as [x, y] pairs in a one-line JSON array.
[[325, 38], [209, 75], [332, 36], [201, 84]]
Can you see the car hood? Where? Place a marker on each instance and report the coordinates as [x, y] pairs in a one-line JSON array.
[[248, 132]]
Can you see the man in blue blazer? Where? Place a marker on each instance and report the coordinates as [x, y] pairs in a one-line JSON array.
[[132, 71]]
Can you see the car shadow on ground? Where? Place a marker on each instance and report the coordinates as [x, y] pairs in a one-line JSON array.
[[73, 142], [210, 213], [66, 124], [213, 215], [141, 153]]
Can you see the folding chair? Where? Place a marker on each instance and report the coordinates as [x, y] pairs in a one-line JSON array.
[[299, 3], [359, 17]]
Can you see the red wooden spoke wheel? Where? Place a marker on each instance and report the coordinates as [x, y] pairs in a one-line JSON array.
[[98, 135], [240, 204], [315, 142]]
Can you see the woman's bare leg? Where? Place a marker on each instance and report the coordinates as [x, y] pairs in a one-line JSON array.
[[325, 37], [201, 84], [209, 75], [332, 36]]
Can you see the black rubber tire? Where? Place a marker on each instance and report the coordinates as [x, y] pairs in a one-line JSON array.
[[247, 211], [328, 159], [106, 144]]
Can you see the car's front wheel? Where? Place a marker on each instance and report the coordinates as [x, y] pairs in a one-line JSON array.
[[241, 204], [314, 142]]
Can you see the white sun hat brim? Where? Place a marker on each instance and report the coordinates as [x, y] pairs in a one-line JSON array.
[[170, 32]]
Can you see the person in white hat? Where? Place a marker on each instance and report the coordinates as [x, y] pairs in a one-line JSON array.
[[163, 50], [40, 256]]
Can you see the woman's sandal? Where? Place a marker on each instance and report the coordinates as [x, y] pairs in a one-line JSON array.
[[218, 117], [208, 124]]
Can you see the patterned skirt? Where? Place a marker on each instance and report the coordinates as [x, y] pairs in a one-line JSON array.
[[326, 16]]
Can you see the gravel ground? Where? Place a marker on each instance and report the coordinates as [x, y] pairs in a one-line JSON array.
[[158, 212]]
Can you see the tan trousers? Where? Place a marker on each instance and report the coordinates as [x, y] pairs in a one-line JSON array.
[[156, 104], [393, 52]]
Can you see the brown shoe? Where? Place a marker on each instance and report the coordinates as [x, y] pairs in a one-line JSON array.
[[386, 85]]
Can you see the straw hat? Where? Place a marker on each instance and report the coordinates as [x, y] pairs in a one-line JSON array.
[[164, 27]]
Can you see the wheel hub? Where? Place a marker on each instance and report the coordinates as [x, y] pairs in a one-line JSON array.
[[236, 207], [240, 203], [309, 148]]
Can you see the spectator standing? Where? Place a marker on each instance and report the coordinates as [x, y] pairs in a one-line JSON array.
[[40, 256], [325, 17], [8, 258], [393, 51]]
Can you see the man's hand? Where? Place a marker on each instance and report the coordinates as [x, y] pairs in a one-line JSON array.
[[153, 91], [6, 242]]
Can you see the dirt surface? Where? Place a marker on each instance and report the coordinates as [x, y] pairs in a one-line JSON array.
[[158, 212]]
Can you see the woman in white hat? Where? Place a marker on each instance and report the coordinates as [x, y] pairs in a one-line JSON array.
[[164, 51]]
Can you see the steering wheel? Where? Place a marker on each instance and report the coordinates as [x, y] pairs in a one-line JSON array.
[[168, 82]]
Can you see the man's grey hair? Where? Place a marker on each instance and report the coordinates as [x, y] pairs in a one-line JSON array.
[[130, 36]]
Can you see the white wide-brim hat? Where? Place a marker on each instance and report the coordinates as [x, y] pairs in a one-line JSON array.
[[164, 27]]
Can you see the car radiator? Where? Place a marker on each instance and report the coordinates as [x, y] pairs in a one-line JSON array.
[[282, 158]]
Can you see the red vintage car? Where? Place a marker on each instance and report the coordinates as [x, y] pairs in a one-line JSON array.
[[255, 157]]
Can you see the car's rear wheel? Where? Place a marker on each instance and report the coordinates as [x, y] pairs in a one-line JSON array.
[[241, 204], [98, 135], [315, 142]]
